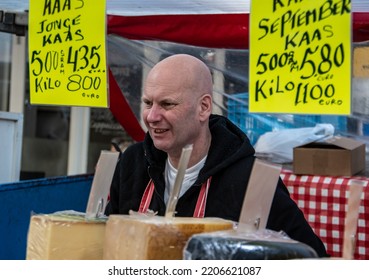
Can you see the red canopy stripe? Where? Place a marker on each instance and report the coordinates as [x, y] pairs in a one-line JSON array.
[[210, 30], [123, 112]]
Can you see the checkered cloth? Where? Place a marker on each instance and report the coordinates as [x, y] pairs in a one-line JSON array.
[[323, 200]]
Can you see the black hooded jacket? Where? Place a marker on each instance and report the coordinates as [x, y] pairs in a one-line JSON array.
[[229, 162]]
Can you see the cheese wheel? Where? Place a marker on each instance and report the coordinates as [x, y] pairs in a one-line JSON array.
[[141, 237], [258, 245], [61, 236]]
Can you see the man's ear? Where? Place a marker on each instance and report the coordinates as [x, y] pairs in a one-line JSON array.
[[206, 106]]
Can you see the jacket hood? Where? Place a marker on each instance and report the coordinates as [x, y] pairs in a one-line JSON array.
[[228, 145]]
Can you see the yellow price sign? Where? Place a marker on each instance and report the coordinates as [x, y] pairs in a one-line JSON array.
[[67, 52], [300, 57]]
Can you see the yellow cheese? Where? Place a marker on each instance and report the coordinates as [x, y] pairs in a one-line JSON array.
[[65, 237], [139, 237]]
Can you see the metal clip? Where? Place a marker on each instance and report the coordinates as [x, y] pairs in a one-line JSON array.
[[100, 208], [353, 243], [257, 223]]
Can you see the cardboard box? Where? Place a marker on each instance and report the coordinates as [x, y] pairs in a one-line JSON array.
[[336, 156]]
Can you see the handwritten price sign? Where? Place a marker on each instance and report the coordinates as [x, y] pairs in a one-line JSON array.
[[67, 54], [300, 56]]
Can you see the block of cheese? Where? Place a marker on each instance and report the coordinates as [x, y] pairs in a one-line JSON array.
[[254, 245], [140, 237], [61, 236]]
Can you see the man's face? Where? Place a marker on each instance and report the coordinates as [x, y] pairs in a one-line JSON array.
[[170, 114]]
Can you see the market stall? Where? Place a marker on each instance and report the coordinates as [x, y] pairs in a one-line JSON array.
[[323, 199], [217, 31]]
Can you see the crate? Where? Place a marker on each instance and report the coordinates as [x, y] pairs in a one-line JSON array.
[[255, 124]]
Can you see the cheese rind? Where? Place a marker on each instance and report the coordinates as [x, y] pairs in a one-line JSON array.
[[257, 245], [139, 237], [65, 237]]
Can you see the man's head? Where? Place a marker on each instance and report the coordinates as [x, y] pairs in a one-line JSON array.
[[177, 104]]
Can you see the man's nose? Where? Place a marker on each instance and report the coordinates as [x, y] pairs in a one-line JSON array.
[[154, 114]]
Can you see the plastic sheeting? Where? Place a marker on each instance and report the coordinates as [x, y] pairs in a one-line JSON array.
[[130, 60]]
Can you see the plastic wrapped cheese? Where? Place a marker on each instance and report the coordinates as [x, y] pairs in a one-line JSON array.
[[254, 245], [65, 236], [141, 237]]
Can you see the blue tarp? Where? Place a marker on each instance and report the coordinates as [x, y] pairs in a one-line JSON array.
[[19, 200]]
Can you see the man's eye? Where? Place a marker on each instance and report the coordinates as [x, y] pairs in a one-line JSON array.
[[168, 105], [147, 103]]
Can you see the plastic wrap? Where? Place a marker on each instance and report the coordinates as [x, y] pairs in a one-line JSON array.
[[147, 237], [65, 235], [254, 245], [277, 146]]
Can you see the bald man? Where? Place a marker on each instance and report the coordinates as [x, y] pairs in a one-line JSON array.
[[177, 111]]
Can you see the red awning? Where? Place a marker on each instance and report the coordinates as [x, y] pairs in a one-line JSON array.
[[204, 30]]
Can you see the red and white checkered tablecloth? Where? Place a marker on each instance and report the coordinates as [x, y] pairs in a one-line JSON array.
[[323, 200]]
